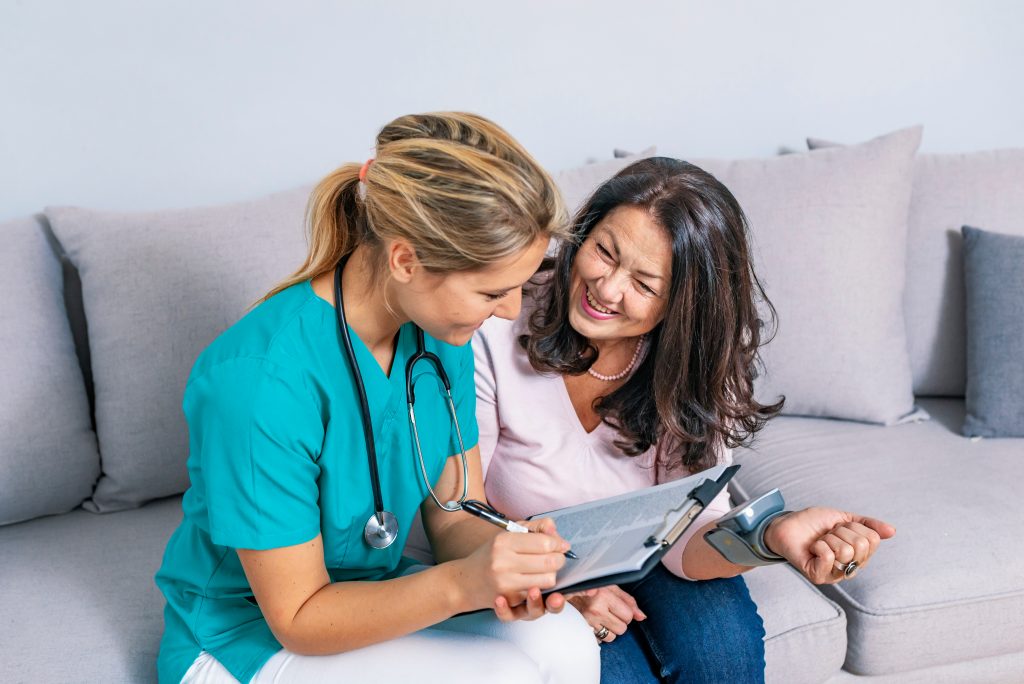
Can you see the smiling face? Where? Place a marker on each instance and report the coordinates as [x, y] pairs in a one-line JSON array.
[[621, 276], [450, 307]]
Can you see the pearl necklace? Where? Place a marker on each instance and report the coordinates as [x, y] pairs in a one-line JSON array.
[[625, 371]]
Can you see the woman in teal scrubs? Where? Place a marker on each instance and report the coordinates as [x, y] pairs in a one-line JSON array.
[[269, 577]]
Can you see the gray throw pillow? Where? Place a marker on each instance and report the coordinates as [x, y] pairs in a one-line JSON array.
[[994, 280], [48, 456], [829, 237], [949, 191], [157, 288]]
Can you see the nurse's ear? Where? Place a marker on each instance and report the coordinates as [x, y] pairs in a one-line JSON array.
[[402, 260]]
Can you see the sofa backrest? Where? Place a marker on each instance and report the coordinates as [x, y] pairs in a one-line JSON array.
[[981, 189], [48, 456]]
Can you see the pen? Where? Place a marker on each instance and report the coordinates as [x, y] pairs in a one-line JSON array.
[[488, 513]]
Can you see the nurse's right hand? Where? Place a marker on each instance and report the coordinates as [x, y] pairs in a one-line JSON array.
[[509, 572]]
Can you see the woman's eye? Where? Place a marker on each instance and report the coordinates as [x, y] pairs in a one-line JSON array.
[[604, 252], [645, 289], [496, 297]]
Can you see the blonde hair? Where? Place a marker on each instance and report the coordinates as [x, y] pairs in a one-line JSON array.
[[456, 186]]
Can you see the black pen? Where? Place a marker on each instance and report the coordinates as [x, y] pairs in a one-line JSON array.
[[488, 513]]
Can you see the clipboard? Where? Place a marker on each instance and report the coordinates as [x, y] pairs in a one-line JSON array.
[[699, 492]]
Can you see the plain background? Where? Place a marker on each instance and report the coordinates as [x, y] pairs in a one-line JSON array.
[[119, 104]]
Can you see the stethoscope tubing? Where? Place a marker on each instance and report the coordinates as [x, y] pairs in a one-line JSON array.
[[383, 533]]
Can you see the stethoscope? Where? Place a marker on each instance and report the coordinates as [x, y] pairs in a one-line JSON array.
[[381, 529]]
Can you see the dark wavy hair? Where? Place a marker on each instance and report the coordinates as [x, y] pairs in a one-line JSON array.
[[694, 389]]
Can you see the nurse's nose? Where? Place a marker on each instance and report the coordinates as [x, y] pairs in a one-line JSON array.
[[509, 306]]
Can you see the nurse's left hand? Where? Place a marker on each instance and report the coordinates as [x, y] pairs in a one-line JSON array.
[[535, 604]]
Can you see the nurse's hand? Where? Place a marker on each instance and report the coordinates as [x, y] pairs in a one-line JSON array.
[[509, 572]]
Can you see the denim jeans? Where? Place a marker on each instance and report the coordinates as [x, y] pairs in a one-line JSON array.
[[705, 632]]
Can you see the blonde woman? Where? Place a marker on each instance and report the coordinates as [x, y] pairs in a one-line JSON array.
[[307, 469]]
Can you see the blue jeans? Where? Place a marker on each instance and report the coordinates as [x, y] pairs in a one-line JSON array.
[[705, 632]]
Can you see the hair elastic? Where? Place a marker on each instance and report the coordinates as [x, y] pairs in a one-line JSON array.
[[364, 169]]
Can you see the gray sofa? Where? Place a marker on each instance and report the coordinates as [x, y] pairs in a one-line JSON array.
[[106, 312]]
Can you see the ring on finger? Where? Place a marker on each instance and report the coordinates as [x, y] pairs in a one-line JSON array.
[[602, 633], [848, 569]]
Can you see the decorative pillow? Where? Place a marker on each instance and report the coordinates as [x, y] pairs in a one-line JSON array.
[[828, 231], [994, 279], [48, 456], [157, 289], [578, 183], [949, 191]]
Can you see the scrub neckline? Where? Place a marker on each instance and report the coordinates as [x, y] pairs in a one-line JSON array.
[[400, 337]]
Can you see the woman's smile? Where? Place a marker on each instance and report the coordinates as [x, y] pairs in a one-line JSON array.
[[593, 308]]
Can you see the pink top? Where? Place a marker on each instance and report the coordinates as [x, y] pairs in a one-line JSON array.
[[536, 455]]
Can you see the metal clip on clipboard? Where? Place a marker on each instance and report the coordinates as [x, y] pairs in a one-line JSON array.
[[703, 494]]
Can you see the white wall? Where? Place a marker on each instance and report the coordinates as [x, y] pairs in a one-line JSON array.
[[142, 104]]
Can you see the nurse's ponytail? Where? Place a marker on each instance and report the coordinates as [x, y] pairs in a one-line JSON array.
[[456, 186]]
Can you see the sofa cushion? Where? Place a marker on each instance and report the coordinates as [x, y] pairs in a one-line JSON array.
[[48, 456], [984, 189], [994, 280], [949, 587], [805, 632], [157, 289], [1001, 669], [828, 232], [80, 604]]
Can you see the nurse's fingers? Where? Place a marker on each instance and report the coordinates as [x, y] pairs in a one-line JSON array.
[[502, 609], [525, 582], [545, 526], [533, 563], [554, 602], [531, 609]]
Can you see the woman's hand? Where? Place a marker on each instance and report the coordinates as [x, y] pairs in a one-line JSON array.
[[816, 541], [609, 607], [509, 572]]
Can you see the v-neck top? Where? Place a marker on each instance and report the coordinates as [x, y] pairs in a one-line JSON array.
[[277, 455], [536, 454]]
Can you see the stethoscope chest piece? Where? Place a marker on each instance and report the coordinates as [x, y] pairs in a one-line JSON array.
[[382, 533]]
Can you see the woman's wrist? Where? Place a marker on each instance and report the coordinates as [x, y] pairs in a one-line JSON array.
[[770, 542]]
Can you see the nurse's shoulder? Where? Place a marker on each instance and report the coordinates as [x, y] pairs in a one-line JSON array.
[[276, 331]]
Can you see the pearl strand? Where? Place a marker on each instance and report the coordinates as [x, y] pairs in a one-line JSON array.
[[625, 371]]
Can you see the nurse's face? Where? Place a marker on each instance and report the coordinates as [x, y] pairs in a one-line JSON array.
[[620, 277], [451, 307]]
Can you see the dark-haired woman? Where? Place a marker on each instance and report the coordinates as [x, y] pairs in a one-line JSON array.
[[633, 363]]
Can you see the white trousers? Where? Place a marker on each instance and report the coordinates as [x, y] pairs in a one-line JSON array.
[[555, 649]]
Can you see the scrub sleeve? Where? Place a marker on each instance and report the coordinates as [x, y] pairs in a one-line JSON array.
[[258, 435]]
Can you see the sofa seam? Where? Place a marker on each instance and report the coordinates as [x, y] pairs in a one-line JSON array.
[[820, 624], [860, 608]]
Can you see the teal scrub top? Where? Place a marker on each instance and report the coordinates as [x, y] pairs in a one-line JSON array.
[[277, 456]]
